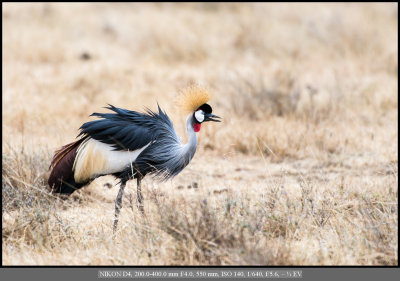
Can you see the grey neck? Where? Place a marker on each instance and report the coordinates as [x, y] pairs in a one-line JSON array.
[[190, 147]]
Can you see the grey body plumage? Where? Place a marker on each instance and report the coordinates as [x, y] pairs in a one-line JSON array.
[[165, 156]]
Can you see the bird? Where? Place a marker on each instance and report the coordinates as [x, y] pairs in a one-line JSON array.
[[130, 145]]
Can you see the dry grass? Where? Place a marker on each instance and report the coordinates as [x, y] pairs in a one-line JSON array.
[[302, 171]]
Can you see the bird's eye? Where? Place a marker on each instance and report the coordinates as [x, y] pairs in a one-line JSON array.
[[199, 116]]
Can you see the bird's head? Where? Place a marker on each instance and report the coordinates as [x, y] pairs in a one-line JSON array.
[[193, 101], [203, 114]]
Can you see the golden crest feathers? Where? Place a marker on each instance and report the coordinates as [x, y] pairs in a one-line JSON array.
[[192, 97]]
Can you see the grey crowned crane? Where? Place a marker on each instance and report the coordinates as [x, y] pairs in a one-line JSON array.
[[129, 144]]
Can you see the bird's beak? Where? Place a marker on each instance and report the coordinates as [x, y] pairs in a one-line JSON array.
[[211, 117]]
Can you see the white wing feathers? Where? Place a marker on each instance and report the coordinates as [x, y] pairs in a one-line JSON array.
[[95, 158]]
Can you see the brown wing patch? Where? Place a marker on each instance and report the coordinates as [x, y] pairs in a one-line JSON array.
[[59, 154], [62, 163]]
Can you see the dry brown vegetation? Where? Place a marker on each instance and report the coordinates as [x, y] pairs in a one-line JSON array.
[[302, 171]]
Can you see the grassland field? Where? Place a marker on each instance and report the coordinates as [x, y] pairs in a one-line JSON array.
[[303, 170]]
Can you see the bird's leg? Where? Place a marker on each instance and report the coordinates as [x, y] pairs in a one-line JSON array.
[[139, 196], [118, 204], [130, 200], [130, 196]]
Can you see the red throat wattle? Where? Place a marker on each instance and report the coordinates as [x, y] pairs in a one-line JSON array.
[[196, 127]]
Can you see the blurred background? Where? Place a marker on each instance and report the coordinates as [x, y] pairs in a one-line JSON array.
[[318, 76], [308, 96]]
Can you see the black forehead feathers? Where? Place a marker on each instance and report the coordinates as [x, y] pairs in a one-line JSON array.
[[206, 108]]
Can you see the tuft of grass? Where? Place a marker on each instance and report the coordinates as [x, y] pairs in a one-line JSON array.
[[29, 208], [24, 178], [219, 232]]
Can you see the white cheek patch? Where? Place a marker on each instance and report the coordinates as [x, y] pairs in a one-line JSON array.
[[199, 115]]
